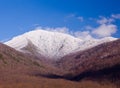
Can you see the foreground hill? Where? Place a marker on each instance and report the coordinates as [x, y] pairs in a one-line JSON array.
[[19, 70], [13, 62]]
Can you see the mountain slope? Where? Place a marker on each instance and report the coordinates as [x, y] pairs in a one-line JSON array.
[[15, 61], [99, 59], [52, 44], [15, 65]]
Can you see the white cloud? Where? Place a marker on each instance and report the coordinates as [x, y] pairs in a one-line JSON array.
[[104, 20], [78, 34], [83, 35], [105, 30], [116, 16], [57, 29], [106, 27]]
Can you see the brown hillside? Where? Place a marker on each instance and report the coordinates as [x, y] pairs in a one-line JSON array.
[[99, 63]]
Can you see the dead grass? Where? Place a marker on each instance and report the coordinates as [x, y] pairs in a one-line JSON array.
[[26, 81], [56, 84]]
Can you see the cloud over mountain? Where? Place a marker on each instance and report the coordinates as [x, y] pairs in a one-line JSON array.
[[105, 30]]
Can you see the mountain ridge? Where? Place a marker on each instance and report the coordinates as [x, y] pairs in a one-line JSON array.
[[52, 44]]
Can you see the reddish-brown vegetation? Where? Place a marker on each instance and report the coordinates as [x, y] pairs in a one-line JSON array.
[[98, 67]]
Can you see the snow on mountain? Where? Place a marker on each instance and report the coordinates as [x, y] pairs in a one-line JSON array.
[[53, 44]]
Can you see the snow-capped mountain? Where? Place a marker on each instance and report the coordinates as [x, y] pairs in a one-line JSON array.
[[52, 44]]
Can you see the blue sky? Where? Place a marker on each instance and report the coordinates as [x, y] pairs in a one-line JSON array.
[[99, 18]]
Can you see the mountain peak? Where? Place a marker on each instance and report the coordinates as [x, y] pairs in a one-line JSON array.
[[52, 44]]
